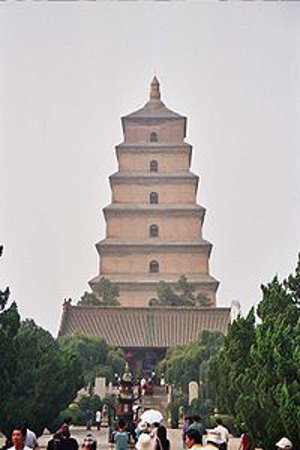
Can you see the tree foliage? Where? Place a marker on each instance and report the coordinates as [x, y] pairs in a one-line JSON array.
[[257, 373], [105, 293], [96, 356], [183, 363], [38, 378], [182, 294], [46, 378], [9, 326]]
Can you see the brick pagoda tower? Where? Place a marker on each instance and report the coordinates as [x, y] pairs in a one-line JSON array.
[[154, 224]]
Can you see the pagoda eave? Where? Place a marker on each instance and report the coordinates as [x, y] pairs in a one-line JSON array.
[[178, 209], [140, 147], [112, 245], [153, 178]]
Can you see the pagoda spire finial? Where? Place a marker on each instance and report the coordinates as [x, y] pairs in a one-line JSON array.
[[154, 89]]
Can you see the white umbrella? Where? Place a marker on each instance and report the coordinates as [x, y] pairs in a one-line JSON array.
[[152, 415]]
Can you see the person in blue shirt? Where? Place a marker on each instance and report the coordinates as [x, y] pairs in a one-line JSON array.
[[121, 437]]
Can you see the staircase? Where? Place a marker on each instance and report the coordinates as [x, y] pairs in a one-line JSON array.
[[158, 400]]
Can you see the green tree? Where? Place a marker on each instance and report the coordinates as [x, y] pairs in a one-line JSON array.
[[96, 356], [202, 299], [257, 373], [91, 402], [166, 295], [38, 378], [9, 326], [182, 294], [45, 379], [186, 291], [105, 293], [272, 380], [182, 363], [225, 367]]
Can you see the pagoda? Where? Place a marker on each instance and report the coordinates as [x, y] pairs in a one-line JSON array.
[[153, 223], [153, 233]]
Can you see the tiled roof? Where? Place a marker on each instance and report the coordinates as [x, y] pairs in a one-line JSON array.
[[143, 327], [154, 109]]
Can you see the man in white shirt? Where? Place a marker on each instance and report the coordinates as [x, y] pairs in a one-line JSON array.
[[30, 439], [223, 432], [18, 440], [98, 419]]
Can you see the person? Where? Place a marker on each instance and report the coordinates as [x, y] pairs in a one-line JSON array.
[[152, 429], [186, 425], [193, 439], [197, 425], [62, 440], [98, 419], [54, 442], [245, 441], [284, 444], [141, 428], [121, 437], [213, 440], [143, 385], [18, 439], [144, 442], [89, 442], [162, 442], [89, 419], [223, 432], [30, 439]]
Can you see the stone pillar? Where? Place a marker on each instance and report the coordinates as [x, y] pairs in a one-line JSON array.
[[193, 391], [100, 388]]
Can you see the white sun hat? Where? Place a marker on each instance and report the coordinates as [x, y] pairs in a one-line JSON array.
[[284, 444]]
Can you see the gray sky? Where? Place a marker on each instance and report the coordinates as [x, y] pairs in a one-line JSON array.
[[69, 71]]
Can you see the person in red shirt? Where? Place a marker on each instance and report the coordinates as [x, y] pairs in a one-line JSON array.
[[245, 441]]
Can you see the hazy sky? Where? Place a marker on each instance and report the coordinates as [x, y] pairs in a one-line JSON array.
[[69, 71]]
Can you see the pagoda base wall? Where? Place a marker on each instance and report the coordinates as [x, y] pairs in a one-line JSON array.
[[167, 163], [168, 193], [137, 263], [171, 228]]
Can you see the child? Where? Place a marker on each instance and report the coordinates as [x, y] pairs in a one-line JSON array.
[[121, 437]]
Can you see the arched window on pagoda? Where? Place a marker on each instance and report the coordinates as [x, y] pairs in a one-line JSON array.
[[153, 302], [154, 198], [153, 166], [154, 267], [153, 230], [153, 137]]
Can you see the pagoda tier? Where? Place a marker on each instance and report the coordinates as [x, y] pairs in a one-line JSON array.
[[153, 224]]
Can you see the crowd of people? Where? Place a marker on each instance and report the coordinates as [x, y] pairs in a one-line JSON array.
[[196, 437], [22, 438], [146, 437]]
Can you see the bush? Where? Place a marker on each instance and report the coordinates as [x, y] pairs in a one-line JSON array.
[[91, 402], [73, 412]]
